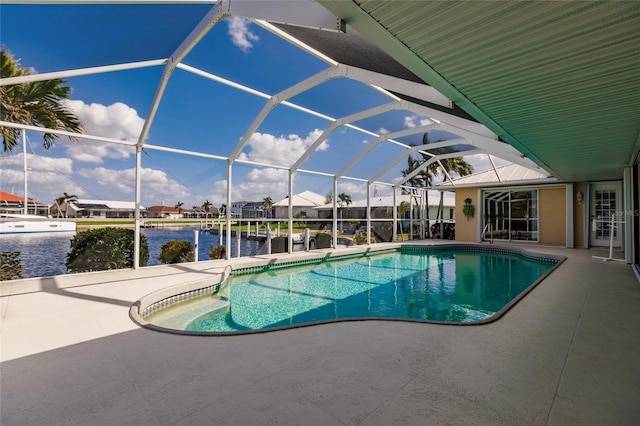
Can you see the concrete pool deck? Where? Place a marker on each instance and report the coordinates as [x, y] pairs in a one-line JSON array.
[[568, 353]]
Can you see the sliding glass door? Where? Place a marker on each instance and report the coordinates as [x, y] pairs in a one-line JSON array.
[[511, 215]]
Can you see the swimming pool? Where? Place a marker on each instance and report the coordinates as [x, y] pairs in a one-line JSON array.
[[461, 285]]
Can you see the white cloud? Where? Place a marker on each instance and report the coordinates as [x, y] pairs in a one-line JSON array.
[[257, 184], [410, 121], [480, 162], [96, 152], [355, 190], [219, 195], [240, 33], [116, 121], [43, 186], [48, 177], [155, 184], [281, 151], [382, 131], [39, 163]]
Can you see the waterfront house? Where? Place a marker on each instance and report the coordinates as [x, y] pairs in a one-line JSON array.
[[514, 203], [201, 213], [165, 212], [254, 210], [303, 204], [382, 207], [14, 204], [107, 209]]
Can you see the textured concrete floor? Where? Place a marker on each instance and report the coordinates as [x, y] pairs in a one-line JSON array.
[[567, 354]]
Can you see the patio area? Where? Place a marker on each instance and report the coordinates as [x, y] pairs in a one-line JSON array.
[[566, 354]]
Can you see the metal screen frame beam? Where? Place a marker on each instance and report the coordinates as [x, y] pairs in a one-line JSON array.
[[30, 78], [296, 13], [394, 84], [381, 139], [217, 13], [278, 98], [433, 160], [341, 122], [420, 148]]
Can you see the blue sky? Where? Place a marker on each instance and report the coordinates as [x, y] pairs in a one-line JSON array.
[[195, 114]]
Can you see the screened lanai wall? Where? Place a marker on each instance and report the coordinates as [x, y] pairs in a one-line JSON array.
[[396, 92]]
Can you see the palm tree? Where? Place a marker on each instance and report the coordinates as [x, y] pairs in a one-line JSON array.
[[223, 211], [267, 202], [345, 199], [403, 208], [65, 200], [426, 176], [328, 198], [207, 206], [36, 103], [179, 205]]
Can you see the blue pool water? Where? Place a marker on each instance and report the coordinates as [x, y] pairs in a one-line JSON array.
[[447, 286]]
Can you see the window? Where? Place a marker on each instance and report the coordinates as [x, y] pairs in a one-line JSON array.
[[511, 215]]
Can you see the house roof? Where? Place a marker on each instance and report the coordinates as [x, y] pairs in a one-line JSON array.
[[165, 209], [508, 174], [253, 205], [104, 204], [7, 197], [387, 201], [303, 199]]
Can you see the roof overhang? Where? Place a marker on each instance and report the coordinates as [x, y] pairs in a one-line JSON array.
[[559, 81]]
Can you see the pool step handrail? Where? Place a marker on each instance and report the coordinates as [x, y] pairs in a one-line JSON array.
[[489, 227]]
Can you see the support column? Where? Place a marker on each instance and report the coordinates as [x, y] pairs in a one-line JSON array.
[[228, 213], [290, 213], [569, 215], [423, 201], [335, 212], [136, 230], [25, 208], [441, 215], [627, 219], [395, 215], [195, 245], [368, 213], [411, 197]]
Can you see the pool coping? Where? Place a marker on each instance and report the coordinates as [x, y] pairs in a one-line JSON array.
[[178, 293]]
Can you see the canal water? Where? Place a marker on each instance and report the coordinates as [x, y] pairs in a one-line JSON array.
[[45, 255]]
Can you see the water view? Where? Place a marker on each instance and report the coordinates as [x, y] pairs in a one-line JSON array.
[[45, 254]]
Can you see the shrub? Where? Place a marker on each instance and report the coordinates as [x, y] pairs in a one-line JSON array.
[[361, 238], [10, 265], [105, 248], [176, 252], [449, 231], [217, 252]]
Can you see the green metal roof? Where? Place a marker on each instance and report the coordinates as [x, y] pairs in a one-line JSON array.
[[560, 81]]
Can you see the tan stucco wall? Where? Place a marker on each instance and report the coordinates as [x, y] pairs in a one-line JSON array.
[[552, 215], [466, 229]]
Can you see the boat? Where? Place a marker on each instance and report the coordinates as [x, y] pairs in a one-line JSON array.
[[31, 223], [14, 223]]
